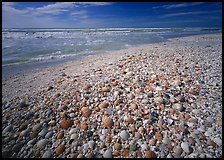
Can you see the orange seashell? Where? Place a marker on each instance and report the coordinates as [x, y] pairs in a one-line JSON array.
[[107, 122], [187, 117], [144, 111], [138, 90], [108, 139], [151, 81], [163, 78], [129, 120], [161, 107], [84, 126], [146, 116], [171, 110], [104, 104], [60, 149], [142, 130], [193, 92], [114, 82], [125, 153], [133, 106], [76, 122], [158, 136], [115, 153], [85, 112], [150, 154], [149, 88], [66, 123], [60, 135], [105, 89]]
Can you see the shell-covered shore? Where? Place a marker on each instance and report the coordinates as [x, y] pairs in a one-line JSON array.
[[164, 100]]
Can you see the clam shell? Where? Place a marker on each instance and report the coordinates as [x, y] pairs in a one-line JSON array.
[[86, 112], [107, 122]]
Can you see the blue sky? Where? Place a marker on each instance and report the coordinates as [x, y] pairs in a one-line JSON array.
[[110, 14]]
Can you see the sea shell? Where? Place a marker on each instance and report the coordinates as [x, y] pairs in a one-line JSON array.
[[85, 112], [66, 123], [133, 106], [104, 104], [178, 106], [129, 120], [105, 89], [60, 135], [158, 136], [185, 146], [107, 122], [150, 154], [84, 126], [158, 100], [117, 146], [59, 149]]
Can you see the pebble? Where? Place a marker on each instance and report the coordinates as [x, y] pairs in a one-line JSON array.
[[47, 154], [185, 146], [178, 106], [124, 135], [91, 144], [17, 147], [43, 133], [166, 140], [37, 127], [158, 100], [107, 153], [42, 143], [7, 129], [22, 103], [72, 115], [49, 134]]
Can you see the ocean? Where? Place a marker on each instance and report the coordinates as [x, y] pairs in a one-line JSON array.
[[24, 50]]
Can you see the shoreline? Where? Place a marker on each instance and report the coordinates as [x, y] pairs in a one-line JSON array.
[[52, 72], [29, 67]]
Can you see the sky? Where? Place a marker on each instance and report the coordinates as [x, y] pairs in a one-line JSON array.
[[111, 14]]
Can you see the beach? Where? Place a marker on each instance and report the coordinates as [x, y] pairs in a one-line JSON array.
[[153, 100]]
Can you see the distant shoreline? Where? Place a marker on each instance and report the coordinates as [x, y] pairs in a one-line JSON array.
[[27, 67]]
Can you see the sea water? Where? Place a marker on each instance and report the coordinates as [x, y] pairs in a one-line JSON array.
[[26, 49]]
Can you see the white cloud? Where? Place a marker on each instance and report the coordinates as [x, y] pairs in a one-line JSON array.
[[178, 5], [189, 13], [47, 15]]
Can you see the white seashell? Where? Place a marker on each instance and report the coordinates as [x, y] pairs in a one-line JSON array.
[[91, 144], [185, 147], [73, 130], [218, 141], [159, 88], [144, 147], [166, 140], [74, 136], [169, 121]]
